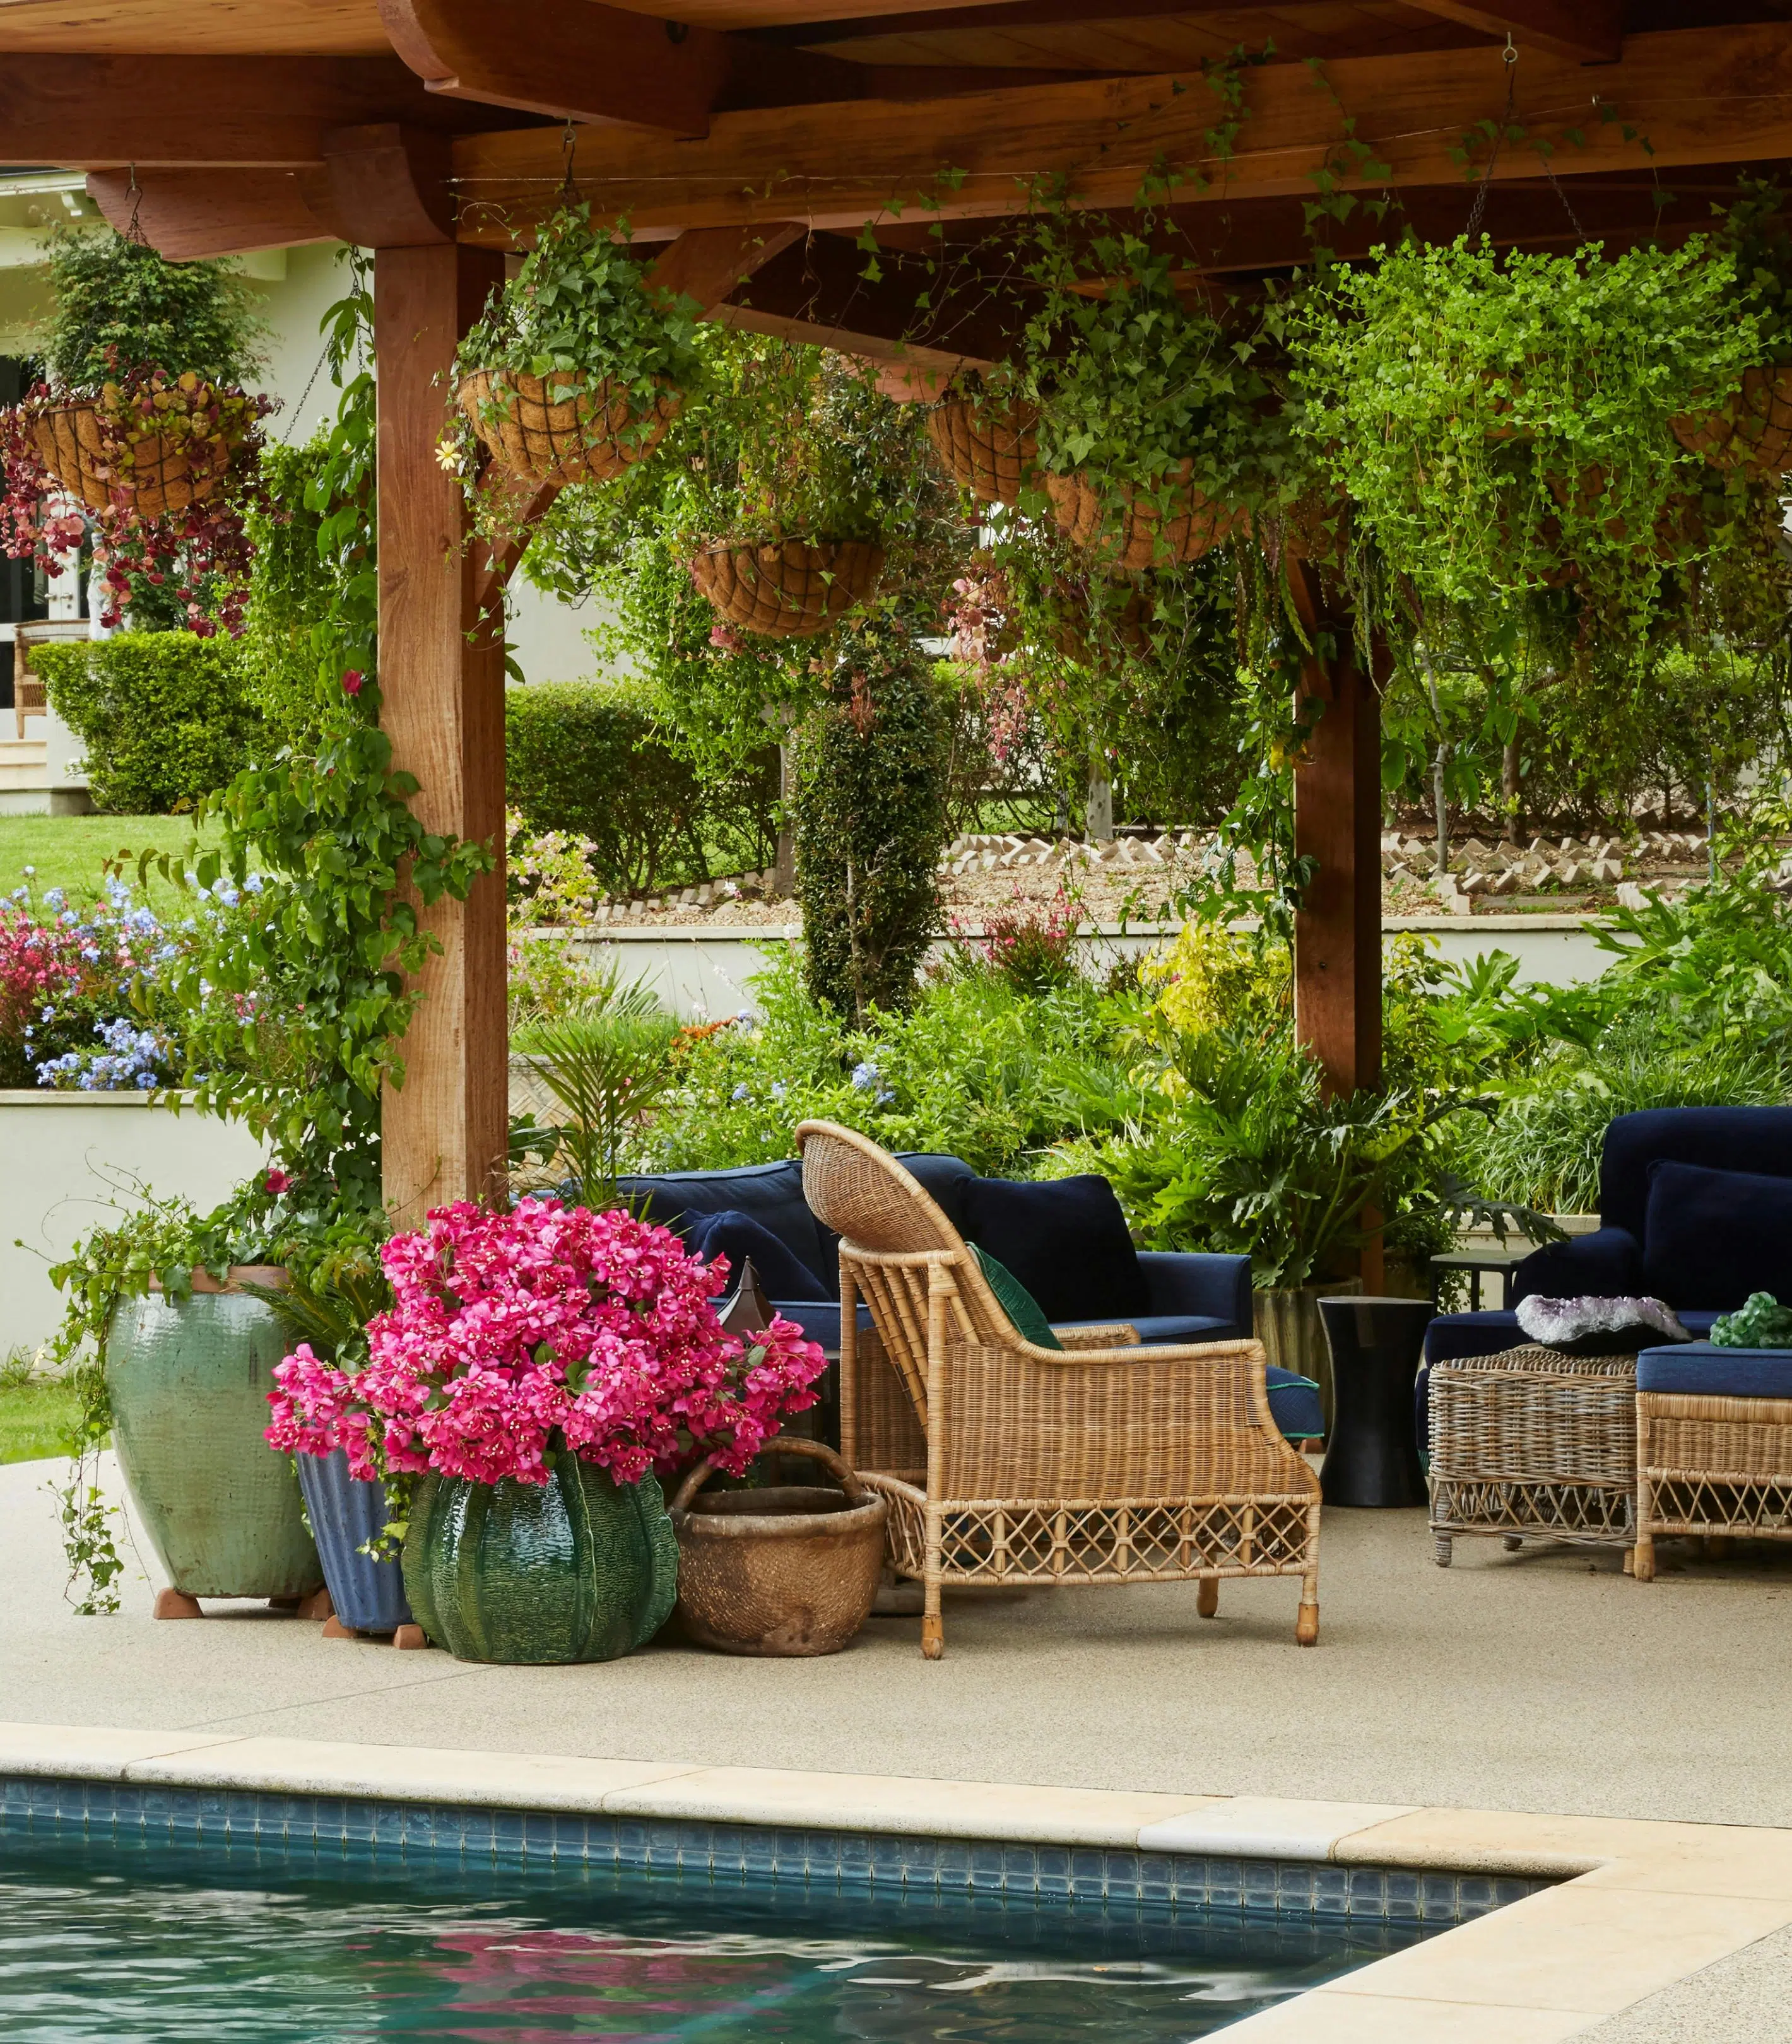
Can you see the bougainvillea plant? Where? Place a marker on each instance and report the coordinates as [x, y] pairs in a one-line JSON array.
[[141, 429], [513, 1336]]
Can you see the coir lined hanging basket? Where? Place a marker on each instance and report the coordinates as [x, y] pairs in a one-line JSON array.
[[592, 437], [790, 588], [1754, 431], [1131, 534], [990, 450], [102, 467]]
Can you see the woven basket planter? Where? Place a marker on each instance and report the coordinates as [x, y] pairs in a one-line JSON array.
[[72, 445], [789, 590], [1138, 538], [990, 450], [1081, 631], [592, 438], [1753, 431]]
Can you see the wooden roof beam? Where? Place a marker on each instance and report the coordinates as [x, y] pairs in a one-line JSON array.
[[1698, 97], [581, 60], [1582, 31], [271, 112]]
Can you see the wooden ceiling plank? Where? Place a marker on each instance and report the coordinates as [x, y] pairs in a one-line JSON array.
[[1583, 31], [1699, 96]]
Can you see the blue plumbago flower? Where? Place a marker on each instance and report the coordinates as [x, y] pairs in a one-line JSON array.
[[885, 1097], [226, 893], [866, 1076], [252, 884], [166, 952], [68, 919], [91, 953], [739, 1092], [54, 898], [778, 1089], [30, 872]]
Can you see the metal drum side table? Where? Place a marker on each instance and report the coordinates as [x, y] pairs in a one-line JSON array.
[[1371, 1455]]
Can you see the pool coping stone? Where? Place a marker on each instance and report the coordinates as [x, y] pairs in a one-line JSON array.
[[1624, 1906]]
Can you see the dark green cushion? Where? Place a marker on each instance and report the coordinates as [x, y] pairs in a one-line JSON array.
[[1016, 1301]]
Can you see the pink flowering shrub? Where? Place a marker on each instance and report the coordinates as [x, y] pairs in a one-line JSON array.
[[510, 1334]]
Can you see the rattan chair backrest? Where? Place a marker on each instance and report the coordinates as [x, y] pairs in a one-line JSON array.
[[891, 1230]]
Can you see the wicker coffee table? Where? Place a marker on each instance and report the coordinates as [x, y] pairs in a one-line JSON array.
[[1532, 1444]]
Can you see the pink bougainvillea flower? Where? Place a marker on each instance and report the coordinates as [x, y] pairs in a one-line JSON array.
[[276, 1180], [512, 1334], [353, 682]]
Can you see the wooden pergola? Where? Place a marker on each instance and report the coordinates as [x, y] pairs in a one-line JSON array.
[[754, 141]]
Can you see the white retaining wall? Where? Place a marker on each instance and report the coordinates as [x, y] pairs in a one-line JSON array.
[[71, 1160], [703, 973]]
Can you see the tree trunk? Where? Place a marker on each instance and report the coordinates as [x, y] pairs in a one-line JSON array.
[[1511, 787]]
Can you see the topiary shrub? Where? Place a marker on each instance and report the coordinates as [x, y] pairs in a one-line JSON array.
[[590, 757], [870, 825], [165, 717]]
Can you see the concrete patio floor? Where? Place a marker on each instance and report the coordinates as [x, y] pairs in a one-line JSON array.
[[1544, 1680], [1541, 1681]]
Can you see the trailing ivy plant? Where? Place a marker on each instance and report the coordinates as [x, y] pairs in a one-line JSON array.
[[1502, 423]]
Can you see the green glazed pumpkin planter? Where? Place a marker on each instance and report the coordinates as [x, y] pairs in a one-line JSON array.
[[579, 1568]]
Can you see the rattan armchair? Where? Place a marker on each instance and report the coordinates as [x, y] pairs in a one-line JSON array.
[[1007, 1463]]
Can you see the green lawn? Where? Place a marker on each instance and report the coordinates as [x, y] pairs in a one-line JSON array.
[[35, 1418], [71, 852]]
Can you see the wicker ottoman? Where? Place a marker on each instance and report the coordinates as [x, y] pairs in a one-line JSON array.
[[1713, 1447], [1530, 1442]]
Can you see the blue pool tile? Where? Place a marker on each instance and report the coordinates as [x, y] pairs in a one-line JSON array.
[[1367, 1891], [986, 1874], [1120, 1873], [759, 1852], [1329, 1892], [1020, 1869], [1088, 1873], [538, 1834], [855, 1869], [1257, 1886], [1403, 1897], [1439, 1900], [952, 1864]]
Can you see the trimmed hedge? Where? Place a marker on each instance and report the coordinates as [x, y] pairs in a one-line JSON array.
[[591, 757], [165, 717]]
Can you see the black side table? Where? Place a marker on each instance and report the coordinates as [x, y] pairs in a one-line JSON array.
[[1372, 1456]]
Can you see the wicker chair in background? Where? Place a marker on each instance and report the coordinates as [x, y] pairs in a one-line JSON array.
[[1102, 1462]]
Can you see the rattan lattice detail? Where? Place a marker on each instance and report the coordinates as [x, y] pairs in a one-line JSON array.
[[1554, 1511], [73, 446], [1137, 537], [988, 449], [1711, 1504], [791, 589], [1050, 1541], [1753, 431], [592, 437]]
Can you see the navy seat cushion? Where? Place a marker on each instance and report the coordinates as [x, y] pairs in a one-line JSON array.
[[943, 1178], [737, 1235], [1713, 1237], [771, 1194], [1065, 1239], [1704, 1370]]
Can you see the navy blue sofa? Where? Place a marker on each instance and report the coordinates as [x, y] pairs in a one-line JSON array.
[[1695, 1208], [1189, 1298]]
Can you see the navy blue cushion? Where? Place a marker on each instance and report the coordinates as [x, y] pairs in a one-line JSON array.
[[1065, 1239], [737, 1235], [1704, 1370], [1723, 1138], [771, 1194], [1607, 1264], [1294, 1405], [943, 1178], [1711, 1238]]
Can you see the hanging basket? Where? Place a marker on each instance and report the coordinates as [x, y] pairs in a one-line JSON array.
[[990, 450], [590, 438], [1754, 431], [790, 588], [158, 474], [1137, 537], [1082, 625]]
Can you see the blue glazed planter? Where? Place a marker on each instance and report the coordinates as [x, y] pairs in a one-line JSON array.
[[345, 1513]]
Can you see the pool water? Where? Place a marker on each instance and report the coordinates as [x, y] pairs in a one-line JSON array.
[[116, 1939]]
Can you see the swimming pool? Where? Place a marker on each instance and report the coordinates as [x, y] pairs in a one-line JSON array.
[[134, 1935]]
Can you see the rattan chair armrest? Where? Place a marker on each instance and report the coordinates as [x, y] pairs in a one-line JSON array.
[[1113, 1334], [1141, 1355]]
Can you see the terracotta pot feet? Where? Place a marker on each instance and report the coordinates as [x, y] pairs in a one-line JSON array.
[[176, 1603], [316, 1606], [410, 1638], [335, 1629]]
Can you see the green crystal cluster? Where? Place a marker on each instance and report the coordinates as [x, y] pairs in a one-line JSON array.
[[1762, 1322]]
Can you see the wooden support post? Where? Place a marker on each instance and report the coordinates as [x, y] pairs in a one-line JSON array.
[[441, 672], [1337, 823]]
